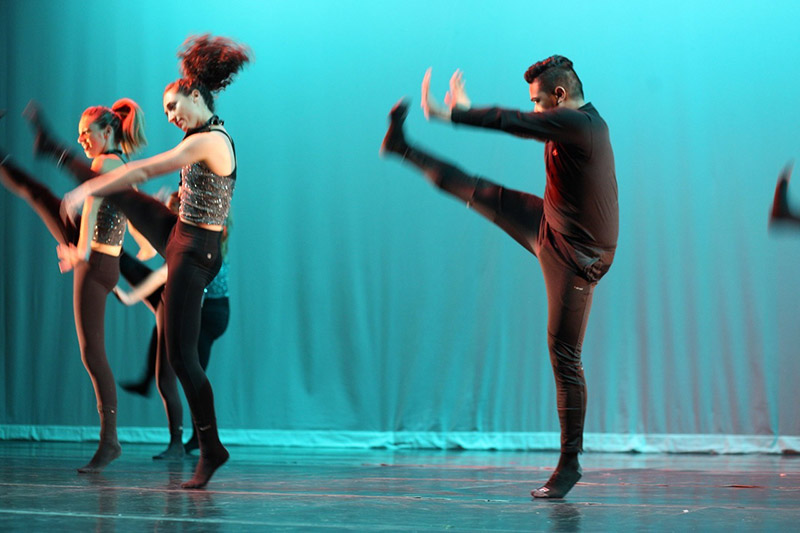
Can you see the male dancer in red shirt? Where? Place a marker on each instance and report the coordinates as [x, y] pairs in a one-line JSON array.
[[572, 230]]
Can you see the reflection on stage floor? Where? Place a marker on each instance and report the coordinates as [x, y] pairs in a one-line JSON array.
[[265, 489]]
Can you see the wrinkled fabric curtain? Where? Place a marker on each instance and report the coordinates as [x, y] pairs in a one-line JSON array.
[[368, 309]]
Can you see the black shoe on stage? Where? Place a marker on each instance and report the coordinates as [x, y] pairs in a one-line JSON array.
[[780, 203], [395, 141]]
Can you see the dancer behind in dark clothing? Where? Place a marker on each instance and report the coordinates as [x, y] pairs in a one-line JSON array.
[[572, 230], [147, 285], [780, 211], [91, 246], [190, 241]]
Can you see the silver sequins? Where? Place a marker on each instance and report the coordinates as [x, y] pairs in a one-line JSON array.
[[205, 196], [110, 226]]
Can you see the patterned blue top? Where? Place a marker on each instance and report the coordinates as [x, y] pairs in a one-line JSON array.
[[218, 288]]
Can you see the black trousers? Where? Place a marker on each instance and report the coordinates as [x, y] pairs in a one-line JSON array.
[[193, 259], [570, 278], [135, 272], [92, 281], [214, 317], [158, 366]]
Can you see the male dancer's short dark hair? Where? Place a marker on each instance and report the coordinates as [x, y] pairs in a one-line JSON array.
[[555, 71]]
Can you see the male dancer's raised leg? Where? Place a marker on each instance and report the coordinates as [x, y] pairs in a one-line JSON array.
[[569, 295]]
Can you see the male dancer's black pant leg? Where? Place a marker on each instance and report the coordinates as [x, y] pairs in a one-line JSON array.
[[519, 214], [569, 300], [569, 295]]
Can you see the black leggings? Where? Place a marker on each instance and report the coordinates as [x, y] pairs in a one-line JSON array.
[[157, 365], [42, 200], [569, 284], [193, 259], [135, 272], [92, 281], [213, 320], [213, 323]]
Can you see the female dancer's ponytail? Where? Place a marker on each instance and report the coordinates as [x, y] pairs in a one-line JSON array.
[[131, 135], [126, 118]]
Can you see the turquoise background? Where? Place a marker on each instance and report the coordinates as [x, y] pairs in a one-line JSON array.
[[368, 308]]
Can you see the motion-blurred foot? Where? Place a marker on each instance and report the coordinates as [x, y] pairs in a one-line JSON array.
[[780, 203], [395, 141], [44, 144], [142, 388], [106, 452]]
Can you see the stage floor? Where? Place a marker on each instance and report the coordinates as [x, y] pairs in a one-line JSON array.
[[275, 489]]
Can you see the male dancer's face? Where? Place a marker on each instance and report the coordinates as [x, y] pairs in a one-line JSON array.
[[542, 101], [92, 139]]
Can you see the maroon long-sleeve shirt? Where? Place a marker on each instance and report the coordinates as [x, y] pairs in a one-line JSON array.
[[580, 197]]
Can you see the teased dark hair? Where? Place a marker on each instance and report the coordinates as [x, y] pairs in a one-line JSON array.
[[208, 64], [555, 71], [126, 118]]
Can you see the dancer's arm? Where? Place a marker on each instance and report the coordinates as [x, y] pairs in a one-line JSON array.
[[561, 125], [201, 147], [152, 282], [88, 222]]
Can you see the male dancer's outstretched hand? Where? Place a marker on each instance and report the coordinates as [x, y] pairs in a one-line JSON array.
[[429, 105], [457, 96]]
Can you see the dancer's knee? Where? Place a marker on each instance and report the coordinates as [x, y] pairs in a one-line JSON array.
[[566, 361]]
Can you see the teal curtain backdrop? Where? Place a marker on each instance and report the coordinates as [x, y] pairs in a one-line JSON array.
[[368, 309]]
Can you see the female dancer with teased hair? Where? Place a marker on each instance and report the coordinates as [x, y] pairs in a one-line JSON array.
[[91, 246], [190, 241]]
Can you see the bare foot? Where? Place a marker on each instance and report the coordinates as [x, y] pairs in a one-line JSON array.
[[106, 452], [173, 452], [206, 466], [559, 484]]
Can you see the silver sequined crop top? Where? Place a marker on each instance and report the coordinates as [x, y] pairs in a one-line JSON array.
[[110, 225], [205, 196]]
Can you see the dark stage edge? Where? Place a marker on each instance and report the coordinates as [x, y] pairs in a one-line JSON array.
[[278, 489]]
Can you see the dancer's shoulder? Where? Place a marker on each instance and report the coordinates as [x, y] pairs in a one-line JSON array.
[[106, 163]]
